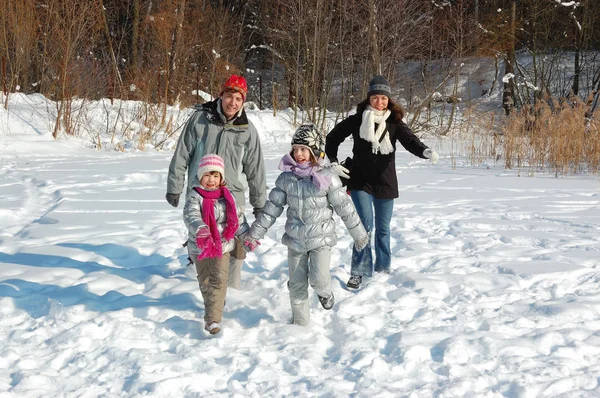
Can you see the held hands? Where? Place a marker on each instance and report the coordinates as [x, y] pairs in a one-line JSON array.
[[250, 244], [431, 155], [361, 242], [339, 170]]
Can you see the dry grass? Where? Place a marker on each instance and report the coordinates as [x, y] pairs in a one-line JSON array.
[[554, 135]]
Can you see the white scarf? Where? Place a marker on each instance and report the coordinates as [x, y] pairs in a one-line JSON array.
[[371, 117]]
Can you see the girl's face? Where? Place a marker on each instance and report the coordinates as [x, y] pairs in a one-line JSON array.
[[211, 180], [379, 101], [301, 154]]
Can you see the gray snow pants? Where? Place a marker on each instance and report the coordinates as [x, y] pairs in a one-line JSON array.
[[304, 268]]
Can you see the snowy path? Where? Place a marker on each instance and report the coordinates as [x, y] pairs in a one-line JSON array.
[[494, 291]]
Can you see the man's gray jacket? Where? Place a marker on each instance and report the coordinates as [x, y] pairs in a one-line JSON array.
[[208, 132]]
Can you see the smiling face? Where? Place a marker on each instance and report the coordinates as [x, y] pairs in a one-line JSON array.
[[211, 180], [379, 101], [231, 102], [302, 154]]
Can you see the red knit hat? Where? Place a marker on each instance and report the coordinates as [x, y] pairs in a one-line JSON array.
[[237, 83]]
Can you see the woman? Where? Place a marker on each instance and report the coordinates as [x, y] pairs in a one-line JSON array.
[[373, 185]]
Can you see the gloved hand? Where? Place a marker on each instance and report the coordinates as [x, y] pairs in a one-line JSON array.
[[250, 244], [204, 240], [431, 155], [339, 170], [173, 199], [361, 242]]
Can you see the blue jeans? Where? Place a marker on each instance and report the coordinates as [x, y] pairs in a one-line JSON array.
[[362, 261]]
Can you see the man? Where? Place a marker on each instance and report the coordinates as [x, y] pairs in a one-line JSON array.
[[221, 127]]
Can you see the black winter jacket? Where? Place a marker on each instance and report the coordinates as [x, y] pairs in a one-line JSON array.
[[373, 173]]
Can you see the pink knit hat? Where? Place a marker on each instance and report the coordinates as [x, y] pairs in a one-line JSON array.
[[211, 163]]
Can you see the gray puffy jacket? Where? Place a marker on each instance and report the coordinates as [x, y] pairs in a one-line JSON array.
[[236, 141], [310, 222], [192, 216]]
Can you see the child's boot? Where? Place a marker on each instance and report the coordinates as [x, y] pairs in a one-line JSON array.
[[212, 327], [327, 302], [300, 312]]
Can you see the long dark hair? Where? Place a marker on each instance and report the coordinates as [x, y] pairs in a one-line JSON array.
[[396, 109]]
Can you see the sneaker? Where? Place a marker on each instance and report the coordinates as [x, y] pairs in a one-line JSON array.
[[354, 281], [212, 328], [327, 302]]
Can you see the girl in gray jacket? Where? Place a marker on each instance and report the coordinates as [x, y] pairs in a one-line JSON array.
[[213, 220], [312, 193]]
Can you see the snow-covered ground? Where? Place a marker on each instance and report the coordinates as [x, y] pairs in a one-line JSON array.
[[494, 289]]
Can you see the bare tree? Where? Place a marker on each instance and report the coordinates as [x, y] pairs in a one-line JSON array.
[[17, 41]]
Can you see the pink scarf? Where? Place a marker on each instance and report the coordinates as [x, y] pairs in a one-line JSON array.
[[208, 215]]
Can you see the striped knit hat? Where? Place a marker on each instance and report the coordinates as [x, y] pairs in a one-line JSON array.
[[210, 163]]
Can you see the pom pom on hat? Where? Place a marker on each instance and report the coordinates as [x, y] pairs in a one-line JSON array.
[[379, 85], [237, 83], [210, 163]]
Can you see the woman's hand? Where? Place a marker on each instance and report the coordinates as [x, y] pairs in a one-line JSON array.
[[431, 155], [339, 170]]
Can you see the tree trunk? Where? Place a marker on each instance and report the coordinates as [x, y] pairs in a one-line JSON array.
[[111, 50], [180, 11], [135, 36], [508, 95], [577, 61], [376, 67]]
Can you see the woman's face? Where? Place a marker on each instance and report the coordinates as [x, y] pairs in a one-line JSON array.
[[379, 101]]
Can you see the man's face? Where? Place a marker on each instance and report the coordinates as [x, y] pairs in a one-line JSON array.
[[231, 102]]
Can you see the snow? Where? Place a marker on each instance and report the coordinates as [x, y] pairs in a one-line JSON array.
[[494, 289]]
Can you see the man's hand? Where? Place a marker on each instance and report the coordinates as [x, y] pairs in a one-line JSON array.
[[173, 199]]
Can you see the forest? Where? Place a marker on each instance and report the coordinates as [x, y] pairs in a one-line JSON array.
[[313, 56]]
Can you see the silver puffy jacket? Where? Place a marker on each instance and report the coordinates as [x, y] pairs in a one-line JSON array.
[[310, 222], [192, 216]]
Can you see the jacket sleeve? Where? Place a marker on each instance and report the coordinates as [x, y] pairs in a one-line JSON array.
[[409, 140], [183, 153], [272, 209], [192, 212], [243, 226], [253, 166], [336, 136], [343, 206]]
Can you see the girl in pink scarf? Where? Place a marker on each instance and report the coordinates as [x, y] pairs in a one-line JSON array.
[[213, 221]]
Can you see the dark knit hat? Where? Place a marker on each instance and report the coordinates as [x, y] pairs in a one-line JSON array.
[[379, 85]]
